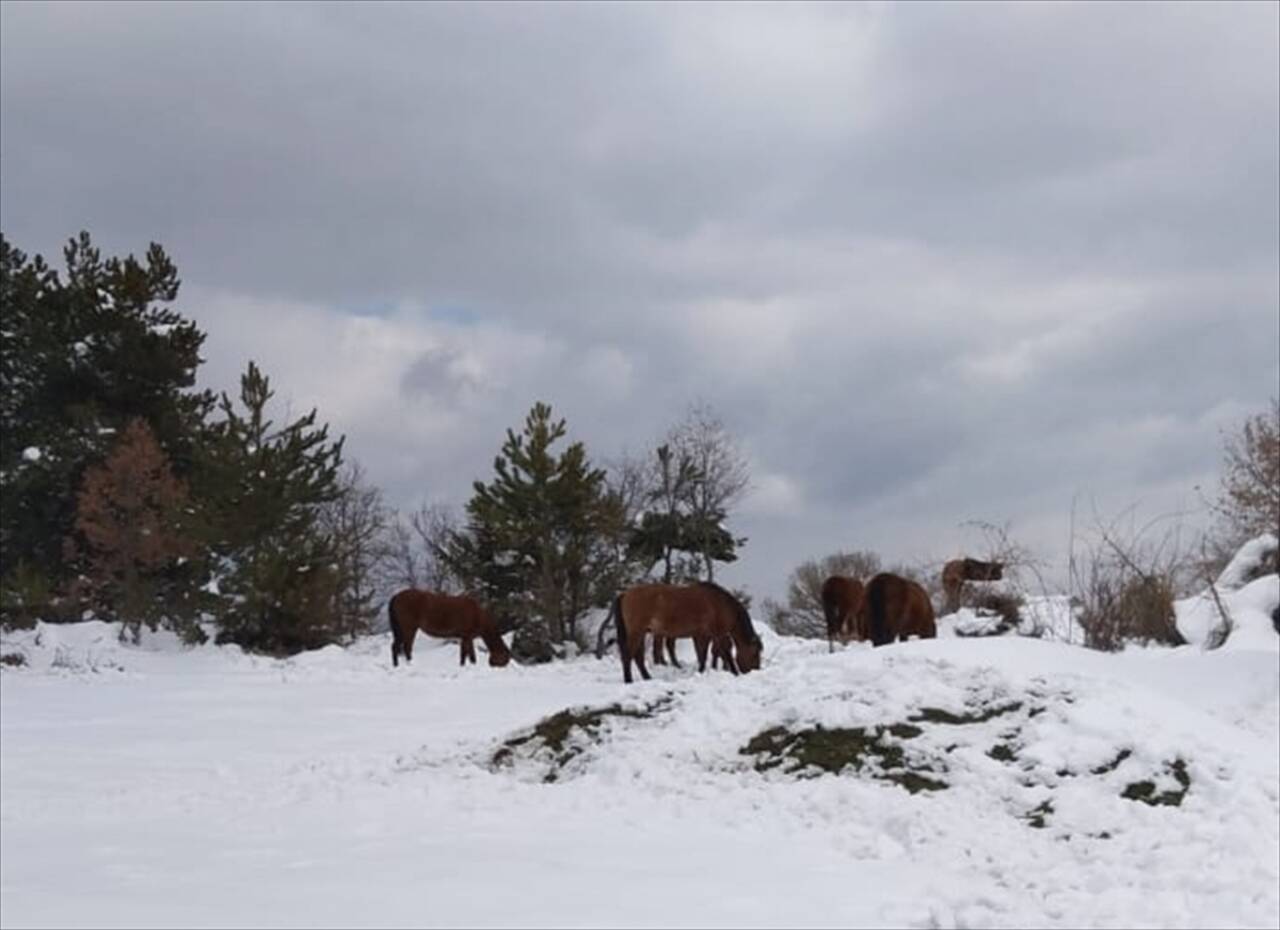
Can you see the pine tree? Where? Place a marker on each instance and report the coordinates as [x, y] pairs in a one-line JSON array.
[[279, 574], [134, 538], [79, 359], [540, 538]]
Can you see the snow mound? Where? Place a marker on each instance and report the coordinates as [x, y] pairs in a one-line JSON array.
[[1249, 608]]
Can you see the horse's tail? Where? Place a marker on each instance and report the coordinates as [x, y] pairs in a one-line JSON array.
[[877, 611], [620, 628], [397, 638], [830, 613]]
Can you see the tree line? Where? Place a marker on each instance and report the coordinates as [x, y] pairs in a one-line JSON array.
[[128, 495]]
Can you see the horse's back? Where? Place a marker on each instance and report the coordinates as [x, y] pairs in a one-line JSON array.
[[435, 613], [898, 607], [841, 592], [667, 609], [976, 570]]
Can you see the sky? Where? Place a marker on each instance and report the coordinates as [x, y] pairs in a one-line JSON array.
[[930, 263]]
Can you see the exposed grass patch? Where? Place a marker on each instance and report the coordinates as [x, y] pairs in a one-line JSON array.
[[1036, 817], [1113, 764], [1145, 791], [978, 715], [1003, 752], [903, 730], [815, 750], [566, 734], [14, 659]]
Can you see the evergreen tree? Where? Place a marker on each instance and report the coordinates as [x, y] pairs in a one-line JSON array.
[[79, 359], [540, 538], [279, 570]]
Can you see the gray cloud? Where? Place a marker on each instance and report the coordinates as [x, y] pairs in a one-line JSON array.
[[931, 262]]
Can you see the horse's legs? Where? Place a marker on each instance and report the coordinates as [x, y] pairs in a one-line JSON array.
[[700, 644], [465, 646], [637, 653], [725, 645], [406, 644], [657, 650], [624, 651], [671, 651]]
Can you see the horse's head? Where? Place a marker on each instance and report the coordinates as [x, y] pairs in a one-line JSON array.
[[499, 654], [749, 651]]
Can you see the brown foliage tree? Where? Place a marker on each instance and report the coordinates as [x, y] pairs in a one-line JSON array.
[[1249, 496], [132, 536]]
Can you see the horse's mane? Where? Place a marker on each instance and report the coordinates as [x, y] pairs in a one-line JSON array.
[[740, 612]]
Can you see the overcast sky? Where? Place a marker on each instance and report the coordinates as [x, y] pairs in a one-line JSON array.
[[930, 263]]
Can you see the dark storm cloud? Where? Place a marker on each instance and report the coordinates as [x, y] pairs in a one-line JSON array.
[[929, 261]]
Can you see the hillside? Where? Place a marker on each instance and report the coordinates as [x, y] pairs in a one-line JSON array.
[[994, 782]]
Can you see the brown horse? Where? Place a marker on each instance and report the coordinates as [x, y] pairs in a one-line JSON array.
[[842, 606], [704, 611], [446, 616], [895, 608], [956, 572]]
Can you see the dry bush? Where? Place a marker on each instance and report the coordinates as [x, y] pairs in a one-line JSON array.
[[1007, 604], [1127, 579], [1136, 608]]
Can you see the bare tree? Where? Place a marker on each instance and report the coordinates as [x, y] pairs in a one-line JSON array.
[[359, 523], [802, 615], [1022, 567], [722, 474], [417, 546], [1249, 495]]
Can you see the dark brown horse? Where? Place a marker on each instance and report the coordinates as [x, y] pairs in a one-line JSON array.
[[956, 572], [842, 607], [704, 611], [446, 616], [895, 608]]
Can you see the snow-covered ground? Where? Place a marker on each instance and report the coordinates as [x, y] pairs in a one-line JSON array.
[[155, 786]]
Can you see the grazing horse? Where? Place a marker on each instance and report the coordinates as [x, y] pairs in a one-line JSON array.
[[895, 608], [704, 611], [842, 606], [443, 615], [956, 572]]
